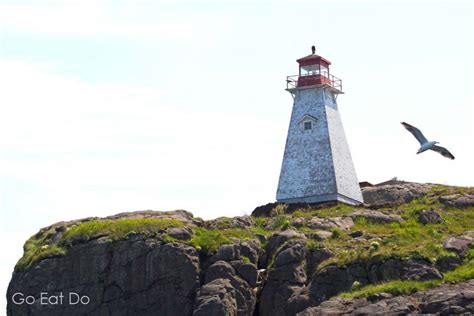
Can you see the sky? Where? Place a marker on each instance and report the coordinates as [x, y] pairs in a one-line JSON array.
[[112, 106]]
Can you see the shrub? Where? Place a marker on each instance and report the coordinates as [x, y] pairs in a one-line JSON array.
[[280, 221], [279, 209], [336, 233]]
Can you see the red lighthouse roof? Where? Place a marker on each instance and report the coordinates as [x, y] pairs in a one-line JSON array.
[[313, 59]]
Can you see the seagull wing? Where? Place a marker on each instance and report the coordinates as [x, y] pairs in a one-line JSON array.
[[443, 151], [416, 132]]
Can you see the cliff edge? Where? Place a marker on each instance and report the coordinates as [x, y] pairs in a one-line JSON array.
[[409, 249]]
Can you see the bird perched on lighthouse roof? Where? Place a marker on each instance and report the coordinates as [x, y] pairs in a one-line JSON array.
[[425, 144]]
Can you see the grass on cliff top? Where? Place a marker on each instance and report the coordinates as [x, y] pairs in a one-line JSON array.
[[208, 241], [118, 229], [35, 250], [398, 287], [409, 238], [40, 247]]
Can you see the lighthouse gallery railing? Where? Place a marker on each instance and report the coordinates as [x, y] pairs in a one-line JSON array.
[[331, 80]]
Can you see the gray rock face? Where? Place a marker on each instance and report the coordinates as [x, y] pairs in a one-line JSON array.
[[394, 269], [333, 280], [277, 240], [230, 222], [324, 223], [245, 297], [226, 253], [314, 257], [320, 235], [118, 278], [458, 200], [449, 263], [376, 216], [216, 298], [285, 279], [447, 299], [429, 217], [394, 194], [179, 233], [459, 244]]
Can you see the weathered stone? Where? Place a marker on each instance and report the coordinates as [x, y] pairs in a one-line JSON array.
[[333, 280], [119, 278], [376, 216], [457, 200], [285, 279], [320, 235], [226, 253], [394, 269], [244, 295], [450, 299], [447, 299], [179, 233], [448, 263], [278, 239], [356, 234], [251, 249], [429, 217], [216, 298], [394, 194], [324, 223], [297, 303], [460, 244], [249, 273], [314, 257], [230, 222], [379, 296]]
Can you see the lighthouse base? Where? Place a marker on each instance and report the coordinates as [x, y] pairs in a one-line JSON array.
[[322, 198]]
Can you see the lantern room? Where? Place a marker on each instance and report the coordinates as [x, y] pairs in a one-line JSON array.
[[314, 72]]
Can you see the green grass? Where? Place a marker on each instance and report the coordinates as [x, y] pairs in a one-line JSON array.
[[408, 239], [36, 250], [40, 247], [339, 209], [208, 241], [245, 259], [281, 222], [461, 273], [396, 287], [400, 287], [118, 229]]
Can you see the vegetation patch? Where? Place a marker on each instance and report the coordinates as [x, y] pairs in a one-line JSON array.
[[208, 241], [281, 222], [40, 247], [36, 250], [400, 287], [339, 209], [118, 229]]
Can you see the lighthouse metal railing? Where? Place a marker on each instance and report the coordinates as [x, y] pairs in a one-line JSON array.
[[332, 81]]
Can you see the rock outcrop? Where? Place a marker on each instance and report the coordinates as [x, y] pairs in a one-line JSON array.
[[449, 299], [171, 263]]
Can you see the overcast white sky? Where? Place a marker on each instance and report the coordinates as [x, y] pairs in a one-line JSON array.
[[110, 106]]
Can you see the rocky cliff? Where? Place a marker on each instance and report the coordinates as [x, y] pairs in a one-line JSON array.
[[408, 250]]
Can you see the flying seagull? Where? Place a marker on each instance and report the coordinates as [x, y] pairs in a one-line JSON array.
[[425, 144]]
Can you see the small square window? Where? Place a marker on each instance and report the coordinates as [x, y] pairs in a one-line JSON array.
[[307, 126]]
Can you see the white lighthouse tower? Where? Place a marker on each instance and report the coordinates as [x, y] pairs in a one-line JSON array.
[[317, 164]]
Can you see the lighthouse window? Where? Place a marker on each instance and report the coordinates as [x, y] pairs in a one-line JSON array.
[[310, 70], [307, 126], [324, 71]]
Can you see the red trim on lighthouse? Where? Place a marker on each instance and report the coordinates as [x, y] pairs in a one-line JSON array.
[[313, 59]]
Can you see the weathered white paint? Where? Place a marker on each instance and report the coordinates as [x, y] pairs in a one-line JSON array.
[[317, 164]]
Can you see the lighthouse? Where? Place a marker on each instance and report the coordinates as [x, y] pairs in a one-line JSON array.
[[317, 164]]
